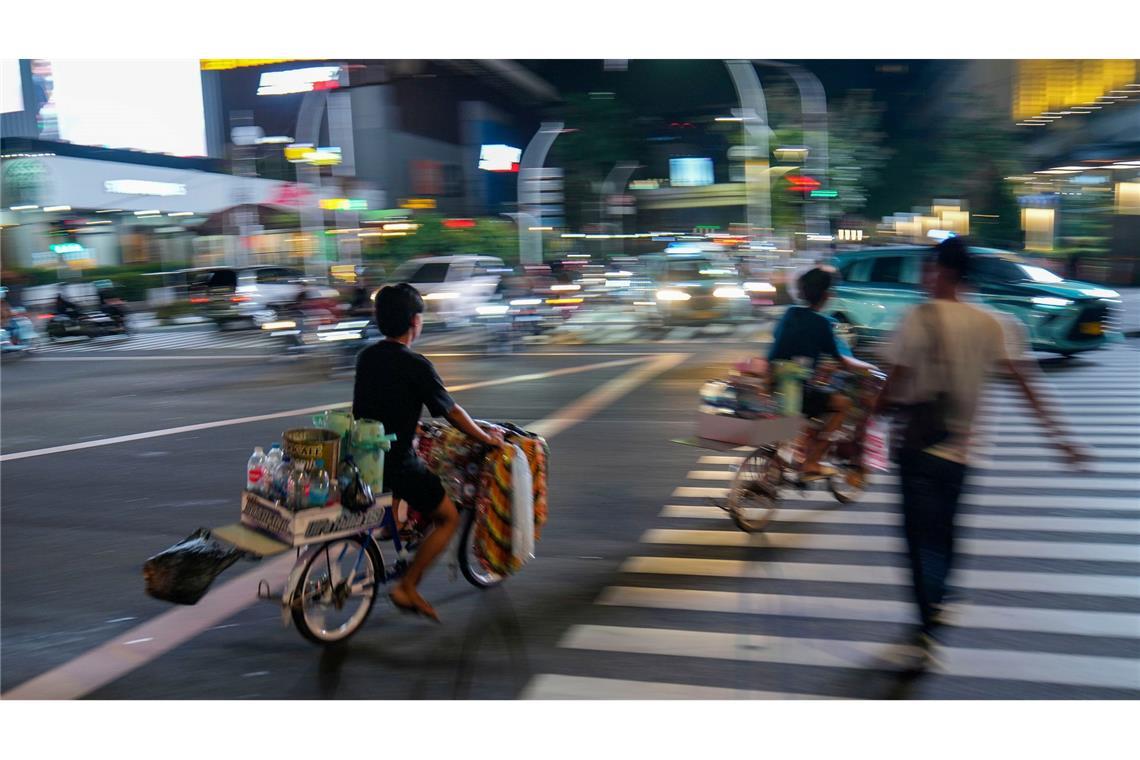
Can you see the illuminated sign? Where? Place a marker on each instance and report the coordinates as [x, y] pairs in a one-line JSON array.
[[343, 204], [292, 81], [226, 64], [1050, 86], [418, 203], [499, 158], [824, 193], [304, 153], [143, 187], [455, 224], [690, 172], [802, 184], [64, 248]]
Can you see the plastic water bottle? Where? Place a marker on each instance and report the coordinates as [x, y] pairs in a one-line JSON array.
[[255, 471], [297, 489], [281, 478], [319, 485]]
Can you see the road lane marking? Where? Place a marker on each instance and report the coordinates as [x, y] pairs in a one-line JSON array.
[[982, 547], [1065, 669], [1026, 501], [966, 520], [1025, 619], [885, 575], [1000, 463], [554, 686], [114, 659], [1083, 484], [299, 412]]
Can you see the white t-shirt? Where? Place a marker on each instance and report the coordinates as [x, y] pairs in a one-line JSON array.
[[975, 341]]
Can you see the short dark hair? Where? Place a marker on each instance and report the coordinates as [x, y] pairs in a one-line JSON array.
[[396, 305], [953, 253], [814, 284]]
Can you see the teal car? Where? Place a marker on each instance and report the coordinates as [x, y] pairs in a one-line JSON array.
[[1061, 316]]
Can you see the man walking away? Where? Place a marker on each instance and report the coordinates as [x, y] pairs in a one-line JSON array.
[[940, 357]]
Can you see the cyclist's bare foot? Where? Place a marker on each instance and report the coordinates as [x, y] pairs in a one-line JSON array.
[[409, 600]]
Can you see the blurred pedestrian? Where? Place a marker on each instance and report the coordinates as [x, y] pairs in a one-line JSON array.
[[939, 360]]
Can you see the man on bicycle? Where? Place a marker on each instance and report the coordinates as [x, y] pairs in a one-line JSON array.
[[805, 332], [393, 385]]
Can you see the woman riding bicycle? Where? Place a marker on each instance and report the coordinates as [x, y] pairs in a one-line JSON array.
[[805, 332]]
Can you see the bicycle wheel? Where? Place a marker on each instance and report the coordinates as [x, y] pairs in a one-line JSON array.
[[848, 483], [331, 605], [753, 496], [469, 564]]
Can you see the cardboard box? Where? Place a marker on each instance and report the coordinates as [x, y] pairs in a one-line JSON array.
[[308, 525], [726, 429]]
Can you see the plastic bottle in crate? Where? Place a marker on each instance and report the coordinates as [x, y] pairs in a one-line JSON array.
[[297, 489], [319, 485], [281, 478], [255, 471]]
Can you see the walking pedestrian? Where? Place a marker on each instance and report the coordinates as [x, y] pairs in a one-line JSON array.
[[939, 360]]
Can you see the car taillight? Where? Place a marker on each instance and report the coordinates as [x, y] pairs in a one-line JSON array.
[[199, 300], [46, 316], [239, 299]]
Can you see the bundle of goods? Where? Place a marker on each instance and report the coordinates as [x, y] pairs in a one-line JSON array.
[[743, 410], [326, 482], [506, 487]]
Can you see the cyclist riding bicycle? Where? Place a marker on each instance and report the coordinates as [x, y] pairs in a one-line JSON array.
[[805, 332]]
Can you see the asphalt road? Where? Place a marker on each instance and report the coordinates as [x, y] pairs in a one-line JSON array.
[[638, 588]]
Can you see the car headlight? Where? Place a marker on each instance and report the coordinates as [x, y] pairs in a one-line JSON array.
[[759, 287], [730, 292], [1050, 301], [442, 295], [287, 324], [671, 294]]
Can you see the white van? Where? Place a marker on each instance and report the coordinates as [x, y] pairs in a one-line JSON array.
[[452, 286]]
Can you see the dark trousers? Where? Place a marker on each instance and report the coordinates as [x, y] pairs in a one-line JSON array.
[[931, 487]]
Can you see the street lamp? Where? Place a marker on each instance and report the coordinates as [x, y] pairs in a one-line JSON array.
[[529, 194]]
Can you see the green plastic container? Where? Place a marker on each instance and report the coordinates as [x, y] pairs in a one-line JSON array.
[[368, 444]]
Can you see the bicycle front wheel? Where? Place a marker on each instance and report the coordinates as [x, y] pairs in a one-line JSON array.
[[469, 563], [337, 590], [753, 496]]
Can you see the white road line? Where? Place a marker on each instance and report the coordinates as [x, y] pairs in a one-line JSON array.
[[1001, 453], [1028, 501], [196, 357], [982, 547], [965, 578], [113, 660], [986, 522], [997, 463], [295, 412], [553, 686], [1089, 439], [1070, 670], [1027, 619], [1082, 484]]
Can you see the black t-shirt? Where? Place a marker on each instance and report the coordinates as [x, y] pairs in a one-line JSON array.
[[393, 384], [804, 332]]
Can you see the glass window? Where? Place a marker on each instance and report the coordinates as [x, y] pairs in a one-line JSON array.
[[886, 269], [223, 278], [430, 273], [857, 271], [993, 269], [1037, 274]]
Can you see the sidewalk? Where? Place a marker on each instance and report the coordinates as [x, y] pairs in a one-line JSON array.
[[1130, 311]]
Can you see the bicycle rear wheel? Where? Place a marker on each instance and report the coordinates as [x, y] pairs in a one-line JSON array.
[[334, 601], [753, 496]]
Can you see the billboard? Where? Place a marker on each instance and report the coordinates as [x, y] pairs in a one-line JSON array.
[[152, 105], [690, 172]]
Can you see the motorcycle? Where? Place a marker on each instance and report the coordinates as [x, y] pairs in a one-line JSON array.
[[18, 337], [327, 343], [94, 323]]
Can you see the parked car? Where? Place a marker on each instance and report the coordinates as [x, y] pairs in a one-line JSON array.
[[453, 287], [1061, 316], [696, 288], [249, 295]]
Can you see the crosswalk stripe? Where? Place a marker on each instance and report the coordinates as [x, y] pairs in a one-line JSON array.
[[1029, 619], [997, 463], [1001, 453], [1072, 670], [1092, 439], [965, 578], [554, 686], [997, 481], [1063, 550], [1030, 501], [985, 522]]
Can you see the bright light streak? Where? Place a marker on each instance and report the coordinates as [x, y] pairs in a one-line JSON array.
[[760, 287], [668, 294], [526, 302], [492, 310], [149, 212], [335, 336], [143, 187], [22, 208], [559, 288], [298, 80], [730, 292], [286, 324], [442, 295], [573, 235], [181, 213], [56, 208], [1050, 301]]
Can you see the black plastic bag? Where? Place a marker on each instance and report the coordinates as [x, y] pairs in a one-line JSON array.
[[183, 573]]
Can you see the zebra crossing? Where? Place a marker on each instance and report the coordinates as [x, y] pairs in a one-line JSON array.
[[195, 340], [1047, 587]]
